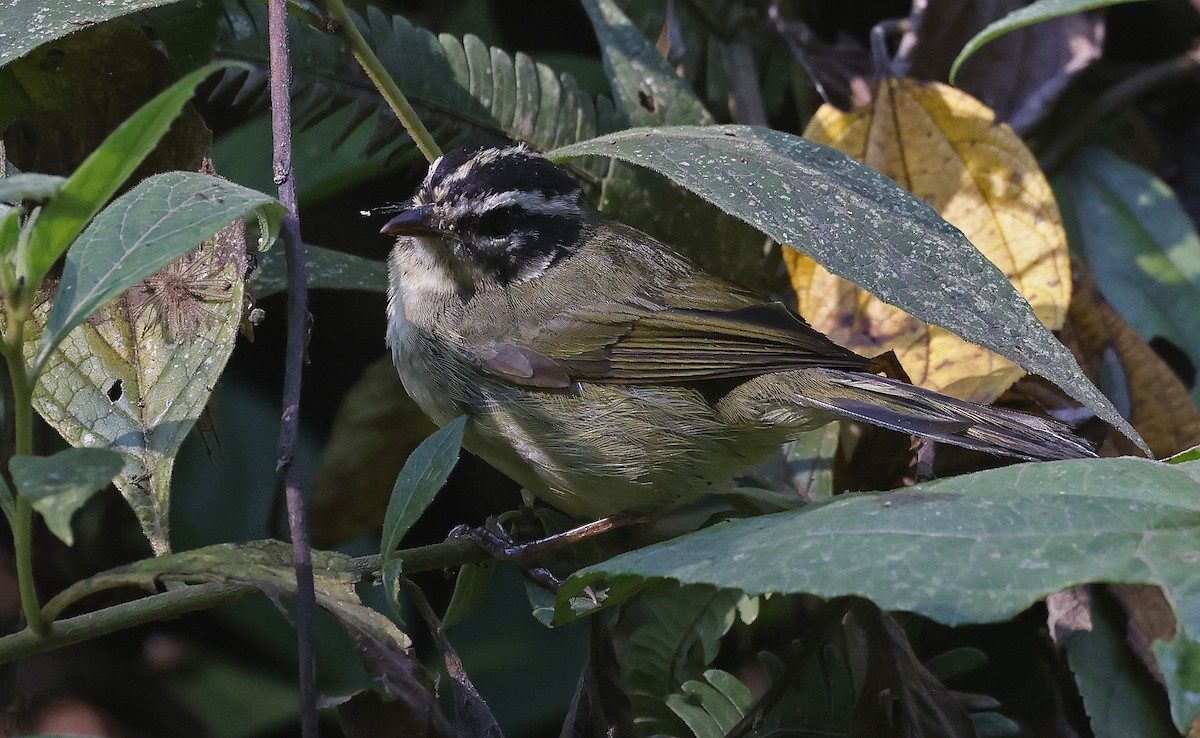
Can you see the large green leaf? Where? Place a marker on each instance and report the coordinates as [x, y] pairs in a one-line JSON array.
[[1036, 12], [27, 24], [100, 175], [1119, 694], [1139, 242], [859, 225], [327, 270], [970, 549]]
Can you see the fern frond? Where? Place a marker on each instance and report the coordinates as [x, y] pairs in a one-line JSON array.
[[464, 90]]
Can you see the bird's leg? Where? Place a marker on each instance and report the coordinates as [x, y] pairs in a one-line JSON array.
[[496, 541], [920, 469]]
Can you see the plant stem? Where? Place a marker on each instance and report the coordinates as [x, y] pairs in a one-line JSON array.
[[383, 81], [176, 602], [22, 410], [297, 348], [162, 606]]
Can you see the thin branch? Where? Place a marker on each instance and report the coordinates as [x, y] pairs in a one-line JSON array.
[[1179, 68], [383, 81], [297, 340], [189, 598], [90, 625]]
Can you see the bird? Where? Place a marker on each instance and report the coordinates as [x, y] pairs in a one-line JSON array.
[[608, 374]]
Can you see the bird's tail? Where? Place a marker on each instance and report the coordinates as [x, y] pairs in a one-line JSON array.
[[904, 407]]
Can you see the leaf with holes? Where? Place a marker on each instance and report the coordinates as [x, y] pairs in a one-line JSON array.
[[138, 373]]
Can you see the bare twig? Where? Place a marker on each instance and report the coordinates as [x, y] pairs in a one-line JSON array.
[[297, 339], [1173, 70]]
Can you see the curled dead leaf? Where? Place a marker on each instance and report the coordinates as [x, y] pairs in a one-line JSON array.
[[1151, 395]]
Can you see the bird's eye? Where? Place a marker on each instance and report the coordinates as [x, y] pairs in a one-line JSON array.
[[497, 223]]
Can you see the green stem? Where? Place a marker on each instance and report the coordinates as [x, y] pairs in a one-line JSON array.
[[22, 397], [383, 81], [163, 606], [189, 598]]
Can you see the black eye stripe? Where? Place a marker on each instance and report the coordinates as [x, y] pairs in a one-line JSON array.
[[498, 222]]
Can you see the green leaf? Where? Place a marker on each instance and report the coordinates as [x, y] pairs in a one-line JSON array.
[[10, 232], [692, 712], [679, 633], [1119, 695], [100, 175], [36, 187], [27, 24], [422, 477], [463, 89], [970, 549], [139, 372], [1183, 457], [1042, 10], [327, 270], [723, 708], [155, 223], [644, 84], [1141, 245], [59, 485], [859, 225], [469, 588]]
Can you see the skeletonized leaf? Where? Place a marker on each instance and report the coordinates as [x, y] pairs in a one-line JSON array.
[[943, 146], [59, 485], [139, 372]]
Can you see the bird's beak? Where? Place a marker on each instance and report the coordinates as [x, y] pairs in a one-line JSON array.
[[413, 221]]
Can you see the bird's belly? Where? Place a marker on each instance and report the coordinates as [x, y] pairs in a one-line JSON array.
[[589, 450], [595, 450], [428, 375]]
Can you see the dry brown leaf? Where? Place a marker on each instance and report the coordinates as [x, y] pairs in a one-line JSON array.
[[944, 147], [1152, 396]]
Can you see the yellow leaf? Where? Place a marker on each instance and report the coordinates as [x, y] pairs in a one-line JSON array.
[[944, 147]]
